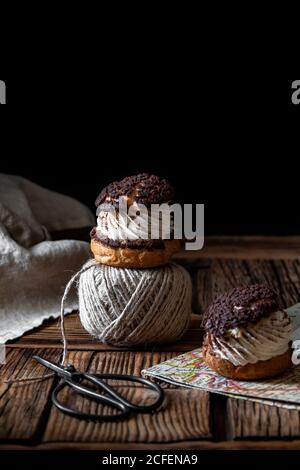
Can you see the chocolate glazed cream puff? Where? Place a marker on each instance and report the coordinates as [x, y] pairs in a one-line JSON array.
[[119, 240], [247, 334]]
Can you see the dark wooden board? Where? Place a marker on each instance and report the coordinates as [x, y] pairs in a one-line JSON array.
[[24, 406], [190, 419], [49, 336], [248, 419], [223, 274], [184, 415], [243, 247]]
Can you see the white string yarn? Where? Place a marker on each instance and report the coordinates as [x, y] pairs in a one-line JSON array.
[[69, 286], [127, 307]]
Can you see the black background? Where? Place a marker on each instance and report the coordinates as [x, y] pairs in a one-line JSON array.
[[228, 140]]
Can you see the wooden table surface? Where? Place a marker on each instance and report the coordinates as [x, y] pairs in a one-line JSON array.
[[189, 419]]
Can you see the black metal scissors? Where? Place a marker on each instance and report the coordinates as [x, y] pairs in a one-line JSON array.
[[70, 377]]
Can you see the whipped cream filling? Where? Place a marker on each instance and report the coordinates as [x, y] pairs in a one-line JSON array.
[[142, 225], [260, 341]]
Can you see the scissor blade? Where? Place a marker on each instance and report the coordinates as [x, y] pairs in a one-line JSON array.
[[61, 371]]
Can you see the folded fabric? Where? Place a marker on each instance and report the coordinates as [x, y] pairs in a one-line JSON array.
[[33, 269]]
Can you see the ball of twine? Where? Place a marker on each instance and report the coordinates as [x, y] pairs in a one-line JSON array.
[[127, 307]]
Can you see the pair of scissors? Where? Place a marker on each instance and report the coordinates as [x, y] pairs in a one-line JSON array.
[[72, 378]]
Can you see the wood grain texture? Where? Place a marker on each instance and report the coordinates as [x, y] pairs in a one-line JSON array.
[[203, 445], [248, 419], [184, 414], [282, 275], [48, 336], [204, 288], [23, 405], [243, 247]]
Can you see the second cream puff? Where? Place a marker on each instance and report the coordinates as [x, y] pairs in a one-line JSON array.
[[247, 334]]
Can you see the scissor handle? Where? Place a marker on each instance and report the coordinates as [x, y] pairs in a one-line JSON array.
[[97, 379], [124, 410]]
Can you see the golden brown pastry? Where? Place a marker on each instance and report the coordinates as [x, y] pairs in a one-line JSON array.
[[125, 240], [143, 257]]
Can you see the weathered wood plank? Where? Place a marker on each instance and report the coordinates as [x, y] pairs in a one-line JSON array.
[[264, 444], [223, 274], [49, 336], [23, 405], [203, 288], [243, 247], [248, 419], [184, 415]]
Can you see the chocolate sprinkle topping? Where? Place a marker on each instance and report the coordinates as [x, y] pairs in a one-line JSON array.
[[238, 307], [144, 188]]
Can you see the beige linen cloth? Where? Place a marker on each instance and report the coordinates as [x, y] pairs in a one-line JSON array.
[[33, 269]]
